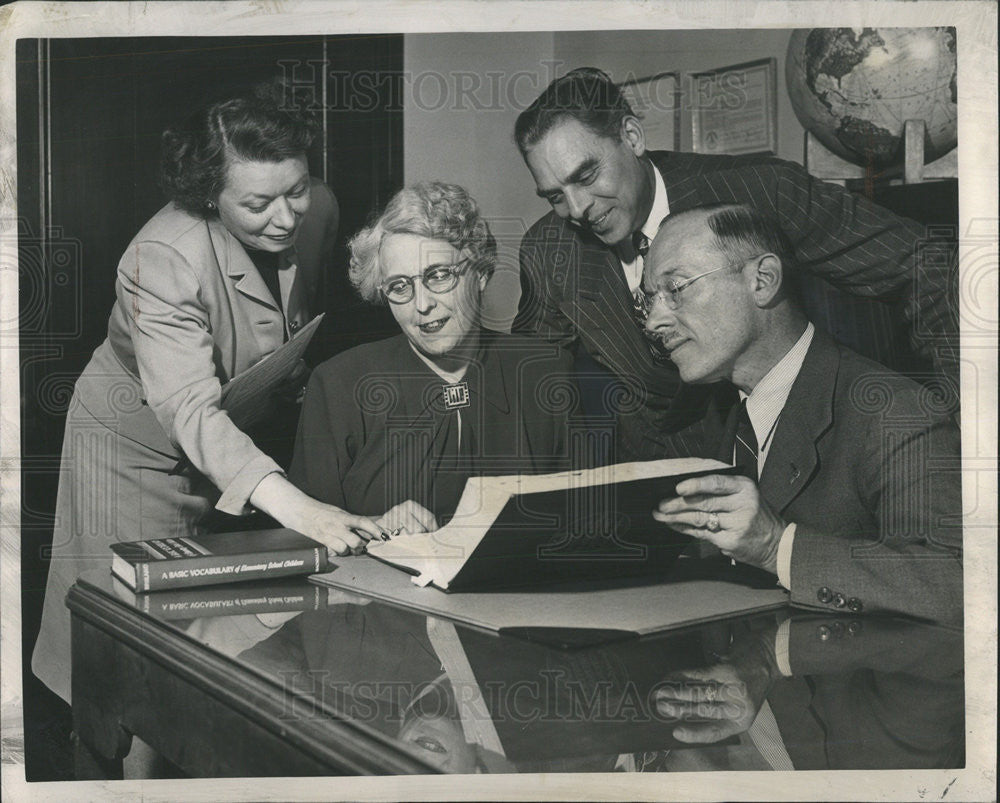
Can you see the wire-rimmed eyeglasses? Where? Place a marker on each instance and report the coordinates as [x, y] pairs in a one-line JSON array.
[[671, 293], [438, 279]]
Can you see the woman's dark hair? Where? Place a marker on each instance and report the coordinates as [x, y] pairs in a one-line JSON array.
[[265, 124], [587, 95]]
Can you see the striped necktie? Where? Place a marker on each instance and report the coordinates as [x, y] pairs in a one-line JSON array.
[[640, 304], [641, 244], [745, 446]]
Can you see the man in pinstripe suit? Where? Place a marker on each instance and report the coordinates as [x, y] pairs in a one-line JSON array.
[[581, 264]]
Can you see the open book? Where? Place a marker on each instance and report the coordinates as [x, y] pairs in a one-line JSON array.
[[524, 530]]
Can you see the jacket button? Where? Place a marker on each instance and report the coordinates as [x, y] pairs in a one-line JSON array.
[[855, 605], [838, 629], [824, 633], [824, 595], [854, 628], [839, 600], [294, 326]]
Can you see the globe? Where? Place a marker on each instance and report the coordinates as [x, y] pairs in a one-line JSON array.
[[854, 88]]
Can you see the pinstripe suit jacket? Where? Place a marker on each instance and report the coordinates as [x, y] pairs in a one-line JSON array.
[[574, 292]]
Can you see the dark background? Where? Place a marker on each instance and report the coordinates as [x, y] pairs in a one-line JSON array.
[[90, 113]]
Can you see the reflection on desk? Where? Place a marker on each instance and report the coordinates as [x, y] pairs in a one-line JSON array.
[[844, 692]]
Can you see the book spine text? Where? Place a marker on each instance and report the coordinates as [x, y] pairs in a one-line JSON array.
[[211, 569]]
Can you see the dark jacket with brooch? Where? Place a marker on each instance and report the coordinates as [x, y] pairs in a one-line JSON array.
[[375, 432]]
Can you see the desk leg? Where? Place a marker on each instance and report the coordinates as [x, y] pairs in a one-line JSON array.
[[88, 765], [99, 740]]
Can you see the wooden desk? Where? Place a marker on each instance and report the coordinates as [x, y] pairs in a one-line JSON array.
[[353, 686], [209, 714]]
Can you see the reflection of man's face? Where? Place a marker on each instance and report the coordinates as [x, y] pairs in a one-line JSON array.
[[713, 323], [595, 182]]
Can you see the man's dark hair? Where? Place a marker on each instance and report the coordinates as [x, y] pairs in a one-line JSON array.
[[587, 95], [742, 232], [264, 124]]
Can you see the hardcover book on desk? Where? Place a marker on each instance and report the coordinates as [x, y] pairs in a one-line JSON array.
[[536, 530], [162, 563]]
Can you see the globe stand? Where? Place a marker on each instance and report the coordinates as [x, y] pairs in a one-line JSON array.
[[823, 163]]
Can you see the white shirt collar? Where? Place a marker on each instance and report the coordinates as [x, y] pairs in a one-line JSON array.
[[660, 209], [768, 398]]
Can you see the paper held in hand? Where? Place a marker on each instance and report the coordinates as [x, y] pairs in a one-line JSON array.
[[523, 530], [245, 396]]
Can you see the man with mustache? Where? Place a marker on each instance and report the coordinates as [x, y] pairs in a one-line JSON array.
[[581, 264], [852, 488]]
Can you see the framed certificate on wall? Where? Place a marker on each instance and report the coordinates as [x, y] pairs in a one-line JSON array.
[[657, 101], [734, 109]]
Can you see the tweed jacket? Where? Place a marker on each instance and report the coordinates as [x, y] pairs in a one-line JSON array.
[[868, 467]]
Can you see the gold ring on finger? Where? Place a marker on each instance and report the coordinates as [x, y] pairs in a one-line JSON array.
[[713, 525]]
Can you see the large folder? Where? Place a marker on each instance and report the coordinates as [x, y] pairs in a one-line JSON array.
[[572, 614], [245, 396], [540, 529]]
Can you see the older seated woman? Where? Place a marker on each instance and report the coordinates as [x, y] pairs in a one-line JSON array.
[[393, 429]]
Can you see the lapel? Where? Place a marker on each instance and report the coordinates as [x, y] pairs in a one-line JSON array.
[[808, 413], [604, 313], [602, 291], [487, 375], [239, 268], [258, 324], [293, 296], [414, 379]]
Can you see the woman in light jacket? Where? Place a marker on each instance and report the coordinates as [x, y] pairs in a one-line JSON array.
[[213, 283]]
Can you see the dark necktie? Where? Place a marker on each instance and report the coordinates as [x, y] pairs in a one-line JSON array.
[[641, 245], [640, 308], [745, 448]]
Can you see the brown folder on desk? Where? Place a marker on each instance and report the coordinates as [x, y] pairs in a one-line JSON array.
[[566, 615]]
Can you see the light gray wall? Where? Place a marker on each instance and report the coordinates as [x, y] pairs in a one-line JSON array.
[[463, 94], [639, 54]]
